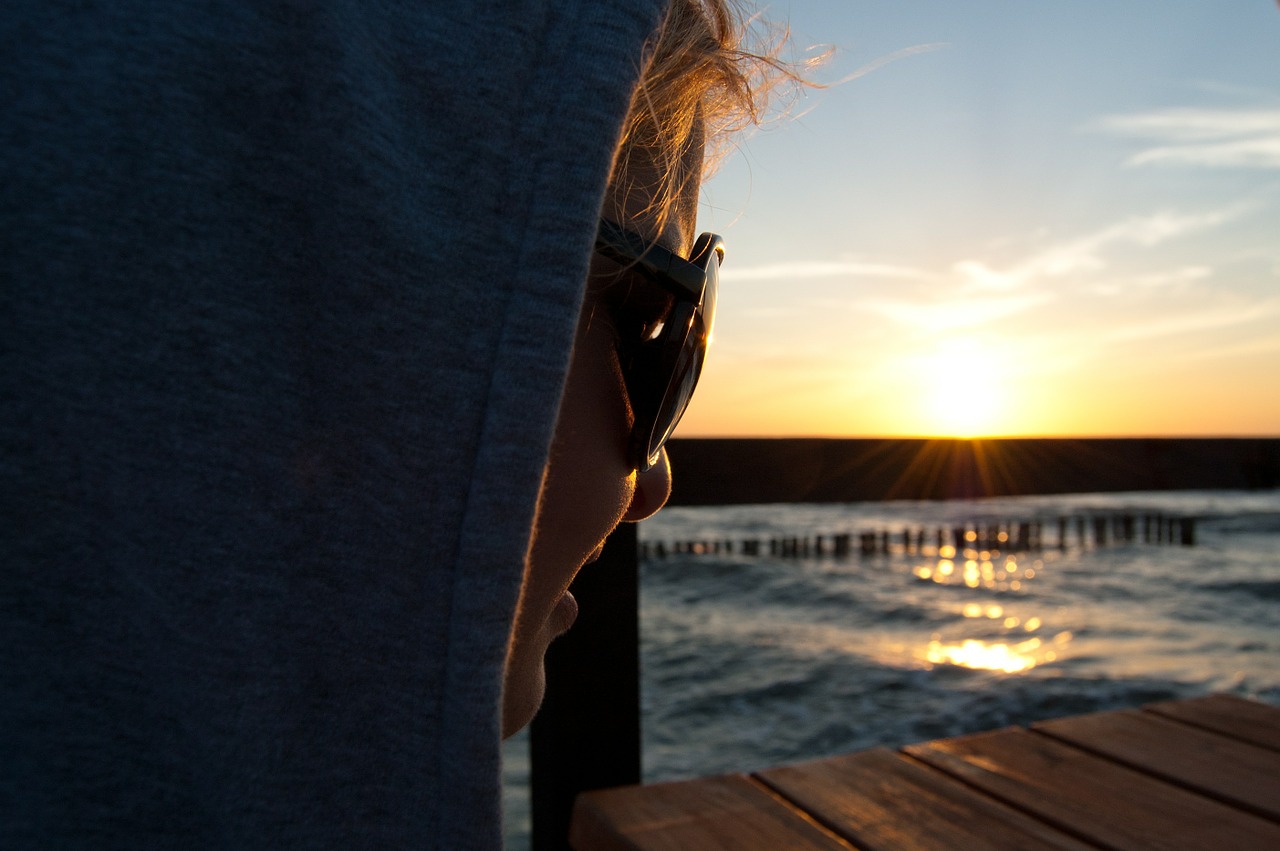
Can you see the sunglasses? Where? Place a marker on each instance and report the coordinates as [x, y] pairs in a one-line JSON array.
[[661, 371]]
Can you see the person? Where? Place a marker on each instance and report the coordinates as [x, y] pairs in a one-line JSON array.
[[637, 350], [335, 343]]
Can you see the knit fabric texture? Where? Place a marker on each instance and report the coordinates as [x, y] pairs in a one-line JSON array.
[[287, 297]]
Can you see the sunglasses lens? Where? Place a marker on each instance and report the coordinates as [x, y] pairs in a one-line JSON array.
[[688, 366], [683, 383], [713, 288]]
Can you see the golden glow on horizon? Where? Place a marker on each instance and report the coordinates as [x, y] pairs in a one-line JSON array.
[[978, 386]]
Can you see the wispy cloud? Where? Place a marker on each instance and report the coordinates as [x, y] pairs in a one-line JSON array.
[[953, 314], [1248, 348], [1211, 138], [1072, 256], [1154, 280], [805, 269], [1189, 323], [877, 64], [976, 292], [1086, 254]]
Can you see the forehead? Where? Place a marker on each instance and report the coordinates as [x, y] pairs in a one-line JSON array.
[[635, 198]]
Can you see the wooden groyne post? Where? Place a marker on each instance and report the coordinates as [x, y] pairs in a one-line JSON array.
[[1091, 530]]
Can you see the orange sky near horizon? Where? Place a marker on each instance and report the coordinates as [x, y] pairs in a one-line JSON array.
[[1117, 404]]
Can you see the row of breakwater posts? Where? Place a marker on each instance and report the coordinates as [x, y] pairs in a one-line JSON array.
[[1082, 531]]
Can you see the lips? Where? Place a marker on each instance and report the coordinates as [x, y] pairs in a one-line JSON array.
[[564, 613]]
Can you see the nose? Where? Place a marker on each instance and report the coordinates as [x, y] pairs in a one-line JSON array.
[[653, 486]]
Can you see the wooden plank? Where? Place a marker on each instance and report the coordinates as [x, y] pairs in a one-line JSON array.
[[727, 813], [878, 799], [1247, 720], [1099, 800], [1227, 769]]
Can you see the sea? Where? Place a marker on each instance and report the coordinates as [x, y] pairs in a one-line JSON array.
[[754, 660]]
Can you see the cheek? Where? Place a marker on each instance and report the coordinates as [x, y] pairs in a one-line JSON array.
[[589, 483], [587, 490], [595, 413]]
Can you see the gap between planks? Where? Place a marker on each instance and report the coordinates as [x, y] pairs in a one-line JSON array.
[[800, 812]]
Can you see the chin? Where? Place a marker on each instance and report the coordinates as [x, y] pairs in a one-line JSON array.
[[521, 696]]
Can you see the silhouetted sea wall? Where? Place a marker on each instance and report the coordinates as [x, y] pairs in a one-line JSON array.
[[728, 471]]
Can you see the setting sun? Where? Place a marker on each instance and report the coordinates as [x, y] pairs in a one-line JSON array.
[[963, 389]]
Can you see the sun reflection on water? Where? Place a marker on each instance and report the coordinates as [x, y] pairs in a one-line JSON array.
[[992, 636], [972, 653], [978, 569]]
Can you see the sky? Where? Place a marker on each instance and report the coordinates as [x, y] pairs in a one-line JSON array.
[[1006, 218]]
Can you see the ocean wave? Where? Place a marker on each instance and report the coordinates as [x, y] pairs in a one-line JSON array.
[[1257, 589], [851, 708]]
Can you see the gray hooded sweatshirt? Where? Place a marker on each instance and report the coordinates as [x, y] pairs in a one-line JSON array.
[[289, 290]]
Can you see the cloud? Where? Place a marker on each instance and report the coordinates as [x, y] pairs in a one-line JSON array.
[[973, 275], [1154, 280], [979, 276], [1161, 227], [955, 313], [1208, 138], [974, 292], [1085, 254], [1185, 124], [1250, 348], [1246, 153], [1202, 320], [802, 269], [877, 64]]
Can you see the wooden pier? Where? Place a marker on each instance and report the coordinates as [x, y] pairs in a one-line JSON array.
[[1191, 774]]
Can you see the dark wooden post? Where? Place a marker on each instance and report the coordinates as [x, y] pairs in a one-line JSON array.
[[587, 734], [1187, 527], [1100, 531]]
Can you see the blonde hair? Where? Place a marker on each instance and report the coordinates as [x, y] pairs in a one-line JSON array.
[[709, 74]]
